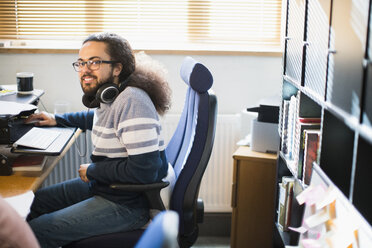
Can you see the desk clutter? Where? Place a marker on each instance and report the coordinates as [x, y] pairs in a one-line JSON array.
[[14, 108], [25, 148], [25, 164], [29, 162]]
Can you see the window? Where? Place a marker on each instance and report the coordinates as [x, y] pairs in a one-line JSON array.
[[230, 25]]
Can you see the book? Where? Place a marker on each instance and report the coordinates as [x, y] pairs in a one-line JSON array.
[[284, 127], [303, 125], [309, 119], [288, 184], [285, 202], [29, 163], [281, 206], [311, 153], [292, 111]]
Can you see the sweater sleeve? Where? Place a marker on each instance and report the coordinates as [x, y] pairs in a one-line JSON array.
[[137, 169], [82, 120]]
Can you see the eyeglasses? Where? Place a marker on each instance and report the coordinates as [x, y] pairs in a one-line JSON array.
[[91, 64]]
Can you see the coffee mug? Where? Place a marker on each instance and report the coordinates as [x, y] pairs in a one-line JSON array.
[[25, 82]]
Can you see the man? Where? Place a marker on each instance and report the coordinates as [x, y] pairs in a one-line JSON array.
[[128, 146]]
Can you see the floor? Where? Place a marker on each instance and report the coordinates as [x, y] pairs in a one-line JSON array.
[[209, 242]]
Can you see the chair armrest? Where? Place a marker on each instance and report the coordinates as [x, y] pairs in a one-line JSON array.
[[200, 211], [139, 187], [151, 191]]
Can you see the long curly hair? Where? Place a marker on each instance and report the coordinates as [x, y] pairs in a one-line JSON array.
[[151, 76], [139, 70]]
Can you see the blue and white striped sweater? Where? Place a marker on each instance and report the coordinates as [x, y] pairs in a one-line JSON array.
[[128, 144]]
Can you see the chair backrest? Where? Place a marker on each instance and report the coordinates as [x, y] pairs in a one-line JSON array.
[[191, 145], [162, 232], [200, 80]]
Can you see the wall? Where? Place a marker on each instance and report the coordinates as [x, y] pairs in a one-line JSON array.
[[239, 81]]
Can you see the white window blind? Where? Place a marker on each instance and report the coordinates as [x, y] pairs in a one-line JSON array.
[[172, 24]]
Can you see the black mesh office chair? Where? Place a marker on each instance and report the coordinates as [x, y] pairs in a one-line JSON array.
[[188, 151]]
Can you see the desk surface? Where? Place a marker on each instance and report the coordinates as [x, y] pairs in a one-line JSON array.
[[245, 152], [21, 182], [31, 98]]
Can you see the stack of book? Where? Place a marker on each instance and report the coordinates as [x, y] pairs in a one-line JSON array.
[[29, 163]]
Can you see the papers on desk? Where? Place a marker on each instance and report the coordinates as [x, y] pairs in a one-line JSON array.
[[14, 108], [21, 203], [6, 92]]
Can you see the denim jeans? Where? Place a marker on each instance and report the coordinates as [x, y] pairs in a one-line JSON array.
[[68, 211]]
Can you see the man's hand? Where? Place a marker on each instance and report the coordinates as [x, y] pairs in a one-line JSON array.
[[41, 119], [83, 172]]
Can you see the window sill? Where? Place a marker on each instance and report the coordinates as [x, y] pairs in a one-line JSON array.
[[148, 51], [45, 47]]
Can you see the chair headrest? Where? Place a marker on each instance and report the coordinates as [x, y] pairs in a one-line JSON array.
[[196, 75]]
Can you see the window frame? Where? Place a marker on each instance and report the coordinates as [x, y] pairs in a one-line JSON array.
[[63, 46]]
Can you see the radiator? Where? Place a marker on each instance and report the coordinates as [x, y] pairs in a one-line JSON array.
[[215, 189], [67, 167]]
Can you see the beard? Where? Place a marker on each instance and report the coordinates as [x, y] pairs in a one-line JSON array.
[[91, 90]]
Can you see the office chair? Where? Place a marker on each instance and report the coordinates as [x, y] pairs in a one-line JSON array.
[[162, 231], [188, 152]]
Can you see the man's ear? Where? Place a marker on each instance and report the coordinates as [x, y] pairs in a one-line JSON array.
[[117, 69]]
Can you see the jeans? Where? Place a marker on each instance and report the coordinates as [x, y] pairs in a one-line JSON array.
[[68, 211]]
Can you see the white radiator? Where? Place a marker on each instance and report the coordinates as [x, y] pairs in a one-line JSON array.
[[68, 166], [215, 188]]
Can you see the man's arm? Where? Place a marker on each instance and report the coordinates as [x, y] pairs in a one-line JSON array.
[[82, 120], [139, 169]]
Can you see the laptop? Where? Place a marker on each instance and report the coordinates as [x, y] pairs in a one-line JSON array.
[[38, 138], [44, 140]]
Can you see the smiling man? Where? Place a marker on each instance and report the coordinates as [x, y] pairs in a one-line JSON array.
[[127, 139]]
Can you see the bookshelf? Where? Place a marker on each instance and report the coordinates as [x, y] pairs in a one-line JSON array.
[[327, 74]]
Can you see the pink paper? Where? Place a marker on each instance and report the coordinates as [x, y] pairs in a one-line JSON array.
[[310, 243], [311, 195], [300, 229]]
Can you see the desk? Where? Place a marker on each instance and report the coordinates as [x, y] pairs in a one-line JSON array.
[[21, 182], [252, 200], [30, 99]]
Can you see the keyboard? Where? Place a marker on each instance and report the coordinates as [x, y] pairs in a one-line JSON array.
[[38, 138]]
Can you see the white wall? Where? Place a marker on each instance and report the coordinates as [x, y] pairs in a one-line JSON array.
[[239, 81]]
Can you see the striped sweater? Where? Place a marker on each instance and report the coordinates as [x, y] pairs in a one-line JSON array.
[[128, 146]]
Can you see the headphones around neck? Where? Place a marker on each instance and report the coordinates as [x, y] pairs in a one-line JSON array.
[[106, 93]]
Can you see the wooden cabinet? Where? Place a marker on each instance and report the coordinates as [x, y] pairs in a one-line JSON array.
[[253, 198]]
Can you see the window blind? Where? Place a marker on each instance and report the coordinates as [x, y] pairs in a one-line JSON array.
[[213, 24]]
